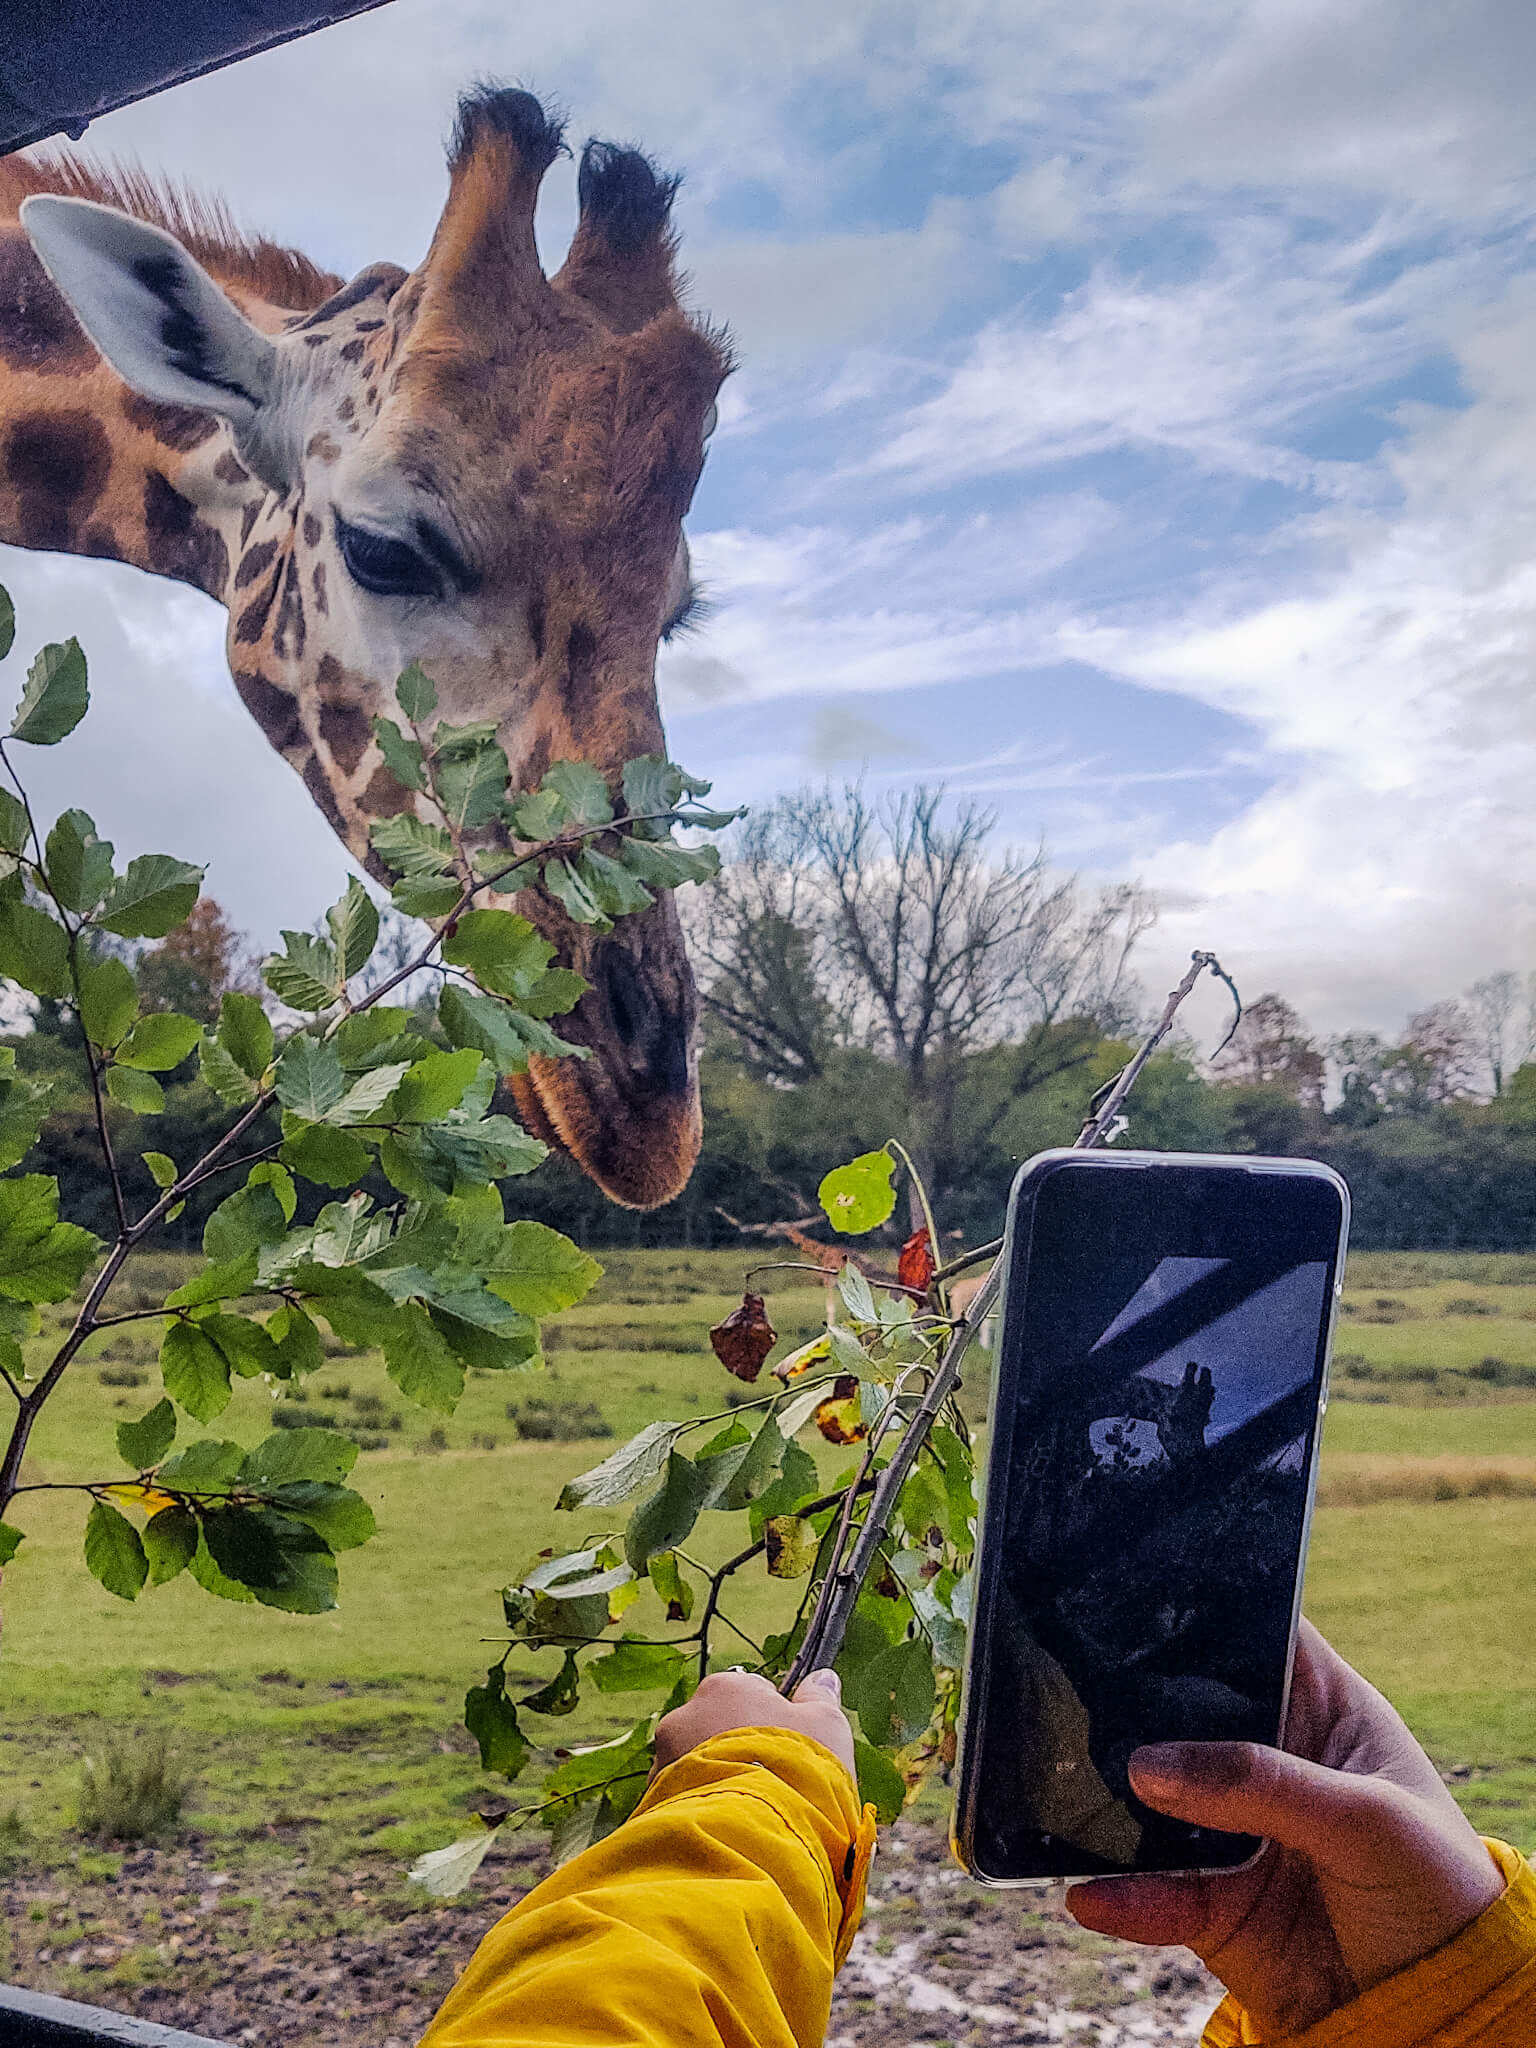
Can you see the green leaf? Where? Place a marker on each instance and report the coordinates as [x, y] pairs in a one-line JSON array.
[[573, 895], [797, 1483], [792, 1545], [444, 1873], [243, 1223], [162, 1169], [492, 1719], [159, 1042], [432, 1087], [624, 1471], [154, 896], [561, 1694], [140, 1094], [409, 846], [485, 1023], [338, 1515], [78, 864], [225, 1281], [671, 1587], [113, 1552], [41, 1259], [426, 895], [222, 1075], [306, 974], [633, 1666], [881, 1785], [212, 1580], [536, 815], [652, 785], [109, 1002], [330, 1158], [195, 1371], [145, 1442], [363, 1102], [584, 791], [170, 1543], [287, 1456], [56, 697], [500, 949], [34, 949], [211, 1465], [402, 756], [354, 928], [245, 1033], [539, 1271], [11, 1541], [7, 638], [420, 1362], [15, 828], [666, 865], [282, 1561], [470, 784], [859, 1196], [894, 1695], [757, 1470], [416, 693], [309, 1077], [613, 887], [23, 1111], [561, 989], [663, 1520], [244, 1343]]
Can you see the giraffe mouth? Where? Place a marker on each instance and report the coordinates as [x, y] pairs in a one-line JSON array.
[[628, 1115]]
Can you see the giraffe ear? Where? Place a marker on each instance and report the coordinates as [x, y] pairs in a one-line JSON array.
[[157, 317]]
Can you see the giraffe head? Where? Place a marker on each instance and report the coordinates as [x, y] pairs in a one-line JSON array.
[[472, 466]]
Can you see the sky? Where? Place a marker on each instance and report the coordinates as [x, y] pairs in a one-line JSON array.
[[1135, 429]]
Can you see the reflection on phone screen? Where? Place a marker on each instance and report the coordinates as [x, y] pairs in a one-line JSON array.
[[1157, 1481]]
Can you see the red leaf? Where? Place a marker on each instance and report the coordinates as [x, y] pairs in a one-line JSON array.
[[745, 1338], [915, 1267]]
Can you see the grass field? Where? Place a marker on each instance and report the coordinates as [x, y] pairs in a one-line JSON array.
[[334, 1741]]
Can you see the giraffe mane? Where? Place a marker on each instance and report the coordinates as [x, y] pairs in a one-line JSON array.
[[200, 221]]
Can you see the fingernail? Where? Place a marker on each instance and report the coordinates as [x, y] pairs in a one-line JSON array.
[[824, 1681]]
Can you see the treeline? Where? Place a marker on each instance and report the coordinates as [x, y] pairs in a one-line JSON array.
[[875, 971]]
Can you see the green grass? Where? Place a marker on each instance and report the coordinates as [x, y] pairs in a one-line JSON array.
[[337, 1737]]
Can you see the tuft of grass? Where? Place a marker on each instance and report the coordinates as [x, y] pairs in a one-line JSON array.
[[134, 1791], [538, 1420], [122, 1376]]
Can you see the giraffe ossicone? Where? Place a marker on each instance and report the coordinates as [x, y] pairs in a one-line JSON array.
[[469, 465]]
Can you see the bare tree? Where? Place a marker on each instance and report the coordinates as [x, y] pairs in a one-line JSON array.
[[1272, 1047], [894, 926], [1494, 1005]]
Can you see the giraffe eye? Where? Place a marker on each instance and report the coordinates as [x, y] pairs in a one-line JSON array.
[[385, 566]]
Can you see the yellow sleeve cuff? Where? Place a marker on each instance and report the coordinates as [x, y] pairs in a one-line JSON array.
[[1478, 1991]]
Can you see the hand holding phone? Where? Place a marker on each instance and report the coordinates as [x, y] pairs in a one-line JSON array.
[[1371, 1863]]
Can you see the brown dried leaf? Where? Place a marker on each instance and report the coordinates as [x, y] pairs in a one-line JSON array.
[[745, 1338], [838, 1417], [915, 1267]]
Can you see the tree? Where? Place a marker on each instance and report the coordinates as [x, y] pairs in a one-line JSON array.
[[434, 1276], [893, 929], [196, 966], [1494, 1005]]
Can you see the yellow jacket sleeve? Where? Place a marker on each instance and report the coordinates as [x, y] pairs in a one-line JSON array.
[[715, 1917], [1479, 1991]]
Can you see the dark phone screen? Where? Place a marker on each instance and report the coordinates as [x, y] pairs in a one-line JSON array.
[[1159, 1378]]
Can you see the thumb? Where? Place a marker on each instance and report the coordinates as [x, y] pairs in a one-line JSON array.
[[1245, 1788], [818, 1688]]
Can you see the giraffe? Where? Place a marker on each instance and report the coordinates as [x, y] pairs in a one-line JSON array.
[[470, 465]]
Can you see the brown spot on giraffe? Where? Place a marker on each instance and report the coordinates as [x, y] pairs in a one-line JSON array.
[[317, 586], [182, 427], [230, 470], [57, 463], [312, 530], [254, 562], [316, 783], [383, 797], [37, 329], [347, 732], [177, 542], [323, 447], [274, 710]]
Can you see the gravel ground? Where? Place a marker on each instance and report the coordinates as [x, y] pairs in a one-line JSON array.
[[286, 1960]]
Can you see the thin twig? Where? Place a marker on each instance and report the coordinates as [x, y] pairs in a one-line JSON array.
[[965, 1261], [16, 1390]]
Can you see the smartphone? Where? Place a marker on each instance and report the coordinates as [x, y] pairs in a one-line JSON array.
[[1161, 1371]]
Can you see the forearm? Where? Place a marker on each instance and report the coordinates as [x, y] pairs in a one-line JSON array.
[[716, 1915], [1478, 1991]]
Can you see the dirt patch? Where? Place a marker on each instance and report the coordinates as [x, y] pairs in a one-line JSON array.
[[284, 1958]]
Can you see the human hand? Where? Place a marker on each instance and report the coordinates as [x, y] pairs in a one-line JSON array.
[[1370, 1863], [740, 1699]]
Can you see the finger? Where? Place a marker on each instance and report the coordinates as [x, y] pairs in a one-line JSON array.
[[1165, 1912], [818, 1689], [1247, 1789]]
